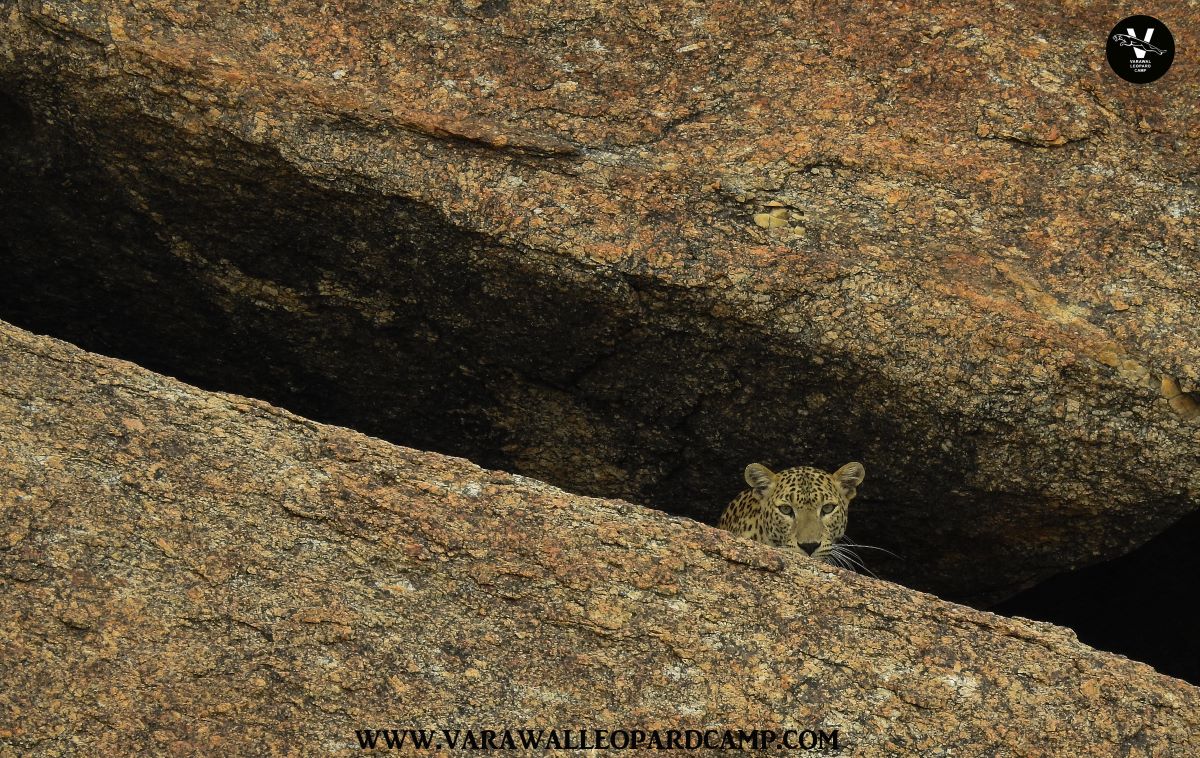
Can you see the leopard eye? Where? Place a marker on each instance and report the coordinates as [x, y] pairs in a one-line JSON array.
[[828, 508], [787, 511]]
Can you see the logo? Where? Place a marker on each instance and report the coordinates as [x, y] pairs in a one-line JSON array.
[[1140, 49]]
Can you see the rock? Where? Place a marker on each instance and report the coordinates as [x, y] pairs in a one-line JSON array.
[[629, 253], [193, 572]]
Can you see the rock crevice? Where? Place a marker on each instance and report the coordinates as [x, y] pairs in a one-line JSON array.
[[549, 257]]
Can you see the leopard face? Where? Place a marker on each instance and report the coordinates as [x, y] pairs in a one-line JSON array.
[[801, 508]]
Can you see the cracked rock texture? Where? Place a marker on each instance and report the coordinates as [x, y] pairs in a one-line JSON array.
[[187, 572], [629, 250]]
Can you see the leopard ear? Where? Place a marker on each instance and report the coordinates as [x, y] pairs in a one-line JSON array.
[[759, 477], [848, 477]]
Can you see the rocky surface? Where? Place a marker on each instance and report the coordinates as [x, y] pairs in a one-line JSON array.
[[188, 572], [630, 250]]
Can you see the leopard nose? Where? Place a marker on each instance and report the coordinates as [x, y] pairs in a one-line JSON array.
[[809, 547]]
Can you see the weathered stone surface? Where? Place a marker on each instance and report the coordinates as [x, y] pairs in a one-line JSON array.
[[629, 250], [195, 573]]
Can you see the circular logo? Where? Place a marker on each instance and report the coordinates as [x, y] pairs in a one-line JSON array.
[[1140, 49]]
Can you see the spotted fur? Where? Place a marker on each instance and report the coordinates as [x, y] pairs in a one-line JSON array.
[[800, 508]]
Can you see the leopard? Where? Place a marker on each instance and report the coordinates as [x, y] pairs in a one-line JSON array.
[[800, 509]]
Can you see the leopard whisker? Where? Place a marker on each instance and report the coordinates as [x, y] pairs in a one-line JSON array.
[[845, 541], [849, 555], [837, 559]]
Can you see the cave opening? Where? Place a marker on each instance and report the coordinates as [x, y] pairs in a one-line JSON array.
[[379, 314]]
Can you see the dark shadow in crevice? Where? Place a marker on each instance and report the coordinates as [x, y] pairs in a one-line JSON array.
[[1139, 605]]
